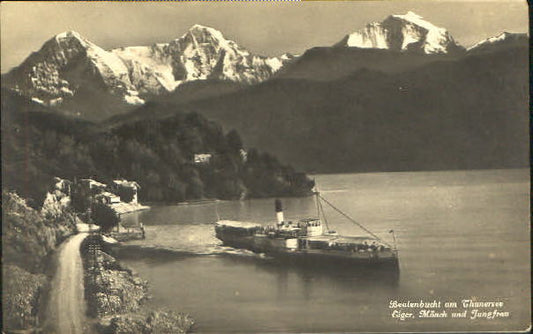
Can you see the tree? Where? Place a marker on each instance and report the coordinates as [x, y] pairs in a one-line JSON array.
[[234, 141], [126, 193], [104, 216], [80, 198]]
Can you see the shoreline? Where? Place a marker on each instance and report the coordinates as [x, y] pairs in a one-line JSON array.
[[123, 208], [116, 296], [191, 202]]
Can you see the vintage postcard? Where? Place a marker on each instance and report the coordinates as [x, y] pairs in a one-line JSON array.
[[265, 167]]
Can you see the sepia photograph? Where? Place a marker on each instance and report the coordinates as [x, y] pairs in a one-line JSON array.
[[265, 167]]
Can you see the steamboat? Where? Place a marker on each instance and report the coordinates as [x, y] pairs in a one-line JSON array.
[[309, 241]]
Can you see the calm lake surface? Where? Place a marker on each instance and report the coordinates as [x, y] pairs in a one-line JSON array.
[[460, 235]]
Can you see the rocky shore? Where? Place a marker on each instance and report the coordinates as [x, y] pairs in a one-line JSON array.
[[115, 296]]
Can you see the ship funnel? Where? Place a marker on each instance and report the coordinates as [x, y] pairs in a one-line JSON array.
[[279, 211]]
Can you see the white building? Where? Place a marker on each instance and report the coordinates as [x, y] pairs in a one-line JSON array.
[[202, 158], [107, 198]]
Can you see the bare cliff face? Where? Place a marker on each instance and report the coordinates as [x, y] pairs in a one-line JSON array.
[[69, 67], [404, 33]]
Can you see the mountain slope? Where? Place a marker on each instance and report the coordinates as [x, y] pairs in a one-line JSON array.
[[42, 74], [467, 113], [502, 41], [75, 76], [330, 63], [399, 43]]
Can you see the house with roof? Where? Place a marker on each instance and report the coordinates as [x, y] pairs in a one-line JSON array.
[[107, 198], [93, 186]]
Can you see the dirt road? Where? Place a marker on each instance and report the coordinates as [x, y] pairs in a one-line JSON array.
[[67, 307]]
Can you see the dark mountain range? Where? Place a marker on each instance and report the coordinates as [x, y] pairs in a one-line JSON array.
[[466, 113], [330, 63], [199, 90]]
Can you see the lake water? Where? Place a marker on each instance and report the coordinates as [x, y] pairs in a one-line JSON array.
[[460, 235]]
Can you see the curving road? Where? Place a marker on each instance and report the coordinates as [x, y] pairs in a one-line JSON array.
[[66, 308]]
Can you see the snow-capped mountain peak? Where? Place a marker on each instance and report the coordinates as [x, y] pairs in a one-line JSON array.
[[202, 27], [204, 53], [407, 32], [198, 28], [69, 35], [43, 75], [199, 35], [418, 20], [202, 37]]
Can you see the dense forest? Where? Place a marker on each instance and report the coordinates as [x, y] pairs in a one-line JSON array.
[[157, 153]]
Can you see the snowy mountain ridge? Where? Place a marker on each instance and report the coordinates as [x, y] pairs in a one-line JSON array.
[[79, 77], [503, 38], [68, 61]]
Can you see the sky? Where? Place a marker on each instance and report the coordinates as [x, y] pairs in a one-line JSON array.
[[265, 28]]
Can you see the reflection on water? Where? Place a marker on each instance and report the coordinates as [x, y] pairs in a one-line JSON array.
[[460, 234], [233, 293], [131, 219], [359, 275]]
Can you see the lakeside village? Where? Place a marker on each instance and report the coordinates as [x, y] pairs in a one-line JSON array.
[[36, 240], [40, 247], [104, 205]]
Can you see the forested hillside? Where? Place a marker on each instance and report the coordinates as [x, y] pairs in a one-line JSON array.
[[157, 153]]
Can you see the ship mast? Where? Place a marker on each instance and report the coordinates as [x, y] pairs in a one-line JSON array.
[[317, 203], [353, 220], [320, 209]]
